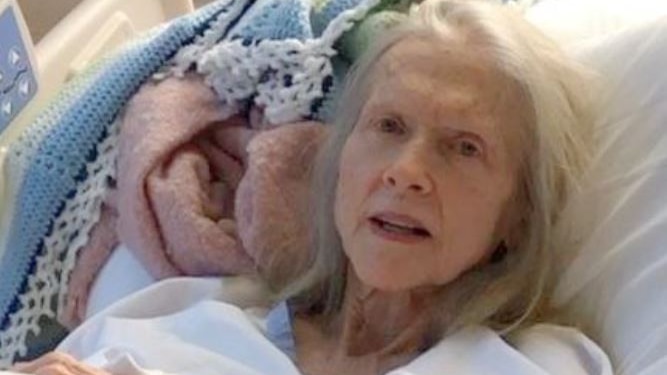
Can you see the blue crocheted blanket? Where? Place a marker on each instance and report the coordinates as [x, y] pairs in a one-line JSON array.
[[280, 54]]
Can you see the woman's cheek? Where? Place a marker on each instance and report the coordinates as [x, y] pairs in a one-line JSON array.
[[342, 202], [351, 187]]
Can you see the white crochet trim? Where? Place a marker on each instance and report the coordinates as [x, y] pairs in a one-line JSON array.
[[235, 71], [188, 55], [48, 285]]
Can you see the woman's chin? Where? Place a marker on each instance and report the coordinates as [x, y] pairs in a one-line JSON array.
[[388, 281]]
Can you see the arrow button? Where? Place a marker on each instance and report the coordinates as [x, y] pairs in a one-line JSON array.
[[14, 57], [24, 87], [6, 108]]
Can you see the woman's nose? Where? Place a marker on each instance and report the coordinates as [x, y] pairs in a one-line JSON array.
[[408, 173]]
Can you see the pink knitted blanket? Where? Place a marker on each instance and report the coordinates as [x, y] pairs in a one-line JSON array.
[[199, 192]]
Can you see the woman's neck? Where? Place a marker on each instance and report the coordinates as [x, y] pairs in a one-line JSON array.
[[382, 323], [373, 332]]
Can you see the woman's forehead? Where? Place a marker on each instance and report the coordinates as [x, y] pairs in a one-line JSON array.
[[431, 80], [438, 63], [422, 51], [442, 76]]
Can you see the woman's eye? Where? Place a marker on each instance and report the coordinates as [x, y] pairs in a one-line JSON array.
[[390, 125], [468, 148]]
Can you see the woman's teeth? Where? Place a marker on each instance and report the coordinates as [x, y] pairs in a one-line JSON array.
[[400, 229], [395, 228]]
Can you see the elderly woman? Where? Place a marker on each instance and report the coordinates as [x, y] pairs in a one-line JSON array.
[[458, 137]]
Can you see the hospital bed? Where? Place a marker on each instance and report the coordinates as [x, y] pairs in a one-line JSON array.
[[88, 31], [615, 286], [31, 74]]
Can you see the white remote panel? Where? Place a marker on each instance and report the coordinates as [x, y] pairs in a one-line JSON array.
[[18, 81]]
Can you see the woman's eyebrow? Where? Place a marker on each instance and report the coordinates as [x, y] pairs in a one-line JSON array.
[[441, 117]]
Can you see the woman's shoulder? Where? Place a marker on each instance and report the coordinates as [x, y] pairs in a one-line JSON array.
[[174, 295], [242, 291], [553, 346], [193, 323], [539, 349]]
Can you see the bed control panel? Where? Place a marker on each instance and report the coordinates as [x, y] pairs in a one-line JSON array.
[[18, 83]]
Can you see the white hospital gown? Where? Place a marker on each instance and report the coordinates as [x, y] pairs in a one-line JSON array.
[[188, 326]]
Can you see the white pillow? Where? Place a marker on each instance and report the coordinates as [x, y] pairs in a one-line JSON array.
[[574, 20], [616, 285]]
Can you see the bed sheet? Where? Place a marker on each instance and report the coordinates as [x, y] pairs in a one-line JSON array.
[[153, 329]]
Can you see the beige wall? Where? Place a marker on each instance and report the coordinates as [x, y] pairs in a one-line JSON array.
[[199, 3], [42, 15]]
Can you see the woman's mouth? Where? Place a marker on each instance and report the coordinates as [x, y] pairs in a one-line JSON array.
[[397, 228]]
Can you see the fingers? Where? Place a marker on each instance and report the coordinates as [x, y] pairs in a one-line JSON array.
[[53, 369], [57, 363], [32, 366]]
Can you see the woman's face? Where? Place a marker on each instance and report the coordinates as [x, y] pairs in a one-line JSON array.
[[427, 175]]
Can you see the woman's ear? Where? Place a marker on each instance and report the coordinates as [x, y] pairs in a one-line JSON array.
[[510, 228], [499, 253]]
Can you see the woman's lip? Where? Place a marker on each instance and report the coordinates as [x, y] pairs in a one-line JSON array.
[[399, 219], [377, 229]]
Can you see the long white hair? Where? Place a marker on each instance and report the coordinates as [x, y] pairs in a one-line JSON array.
[[554, 153]]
